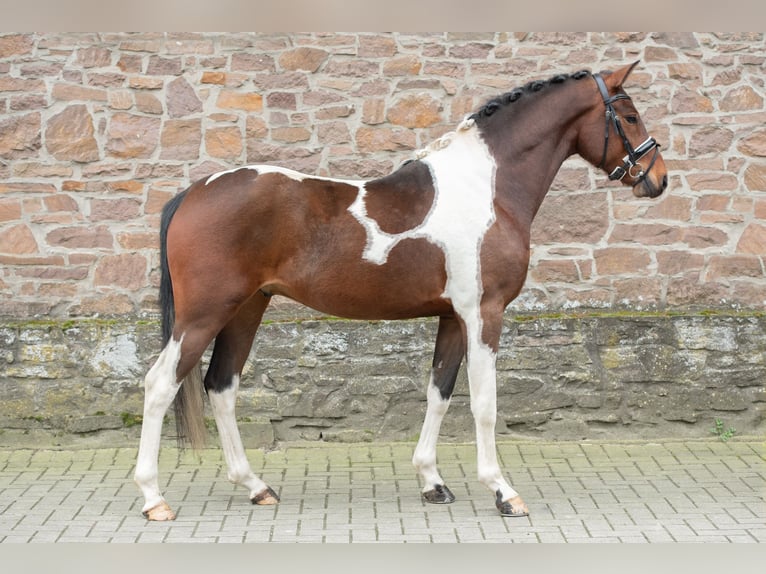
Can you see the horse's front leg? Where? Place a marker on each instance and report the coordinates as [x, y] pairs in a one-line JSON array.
[[482, 357], [448, 354]]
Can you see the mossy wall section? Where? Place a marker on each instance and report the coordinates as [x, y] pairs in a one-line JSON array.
[[559, 377]]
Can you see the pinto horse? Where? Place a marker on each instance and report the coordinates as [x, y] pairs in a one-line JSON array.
[[446, 235]]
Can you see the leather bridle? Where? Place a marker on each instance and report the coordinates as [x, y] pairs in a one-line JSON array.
[[630, 163]]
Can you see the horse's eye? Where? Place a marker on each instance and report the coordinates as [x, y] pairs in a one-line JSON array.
[[633, 120]]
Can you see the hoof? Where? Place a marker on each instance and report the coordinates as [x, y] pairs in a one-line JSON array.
[[440, 494], [265, 497], [513, 507], [160, 513]]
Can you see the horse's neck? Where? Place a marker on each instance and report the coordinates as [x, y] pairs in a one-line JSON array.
[[528, 157]]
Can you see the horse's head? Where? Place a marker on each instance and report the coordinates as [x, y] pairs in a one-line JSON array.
[[614, 138]]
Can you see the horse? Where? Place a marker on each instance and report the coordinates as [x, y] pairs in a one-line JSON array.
[[445, 235]]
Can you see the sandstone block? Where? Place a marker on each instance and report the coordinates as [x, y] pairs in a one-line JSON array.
[[159, 66], [282, 100], [646, 234], [684, 71], [148, 103], [69, 92], [377, 47], [181, 139], [224, 143], [121, 209], [555, 270], [181, 99], [716, 181], [81, 237], [374, 111], [218, 78], [659, 54], [290, 134], [755, 178], [120, 100], [415, 111], [304, 58], [18, 240], [252, 62], [688, 101], [753, 240], [94, 57], [571, 218], [126, 270], [726, 266], [618, 260], [710, 139], [25, 102], [109, 304], [333, 133], [69, 135], [677, 262], [475, 51], [132, 136], [20, 135], [249, 102], [369, 140], [754, 144], [741, 99], [16, 45], [402, 66], [10, 210]]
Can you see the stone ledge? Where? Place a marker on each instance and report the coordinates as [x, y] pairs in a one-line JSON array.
[[585, 375]]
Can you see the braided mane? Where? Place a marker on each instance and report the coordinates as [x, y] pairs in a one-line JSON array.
[[532, 87], [492, 106]]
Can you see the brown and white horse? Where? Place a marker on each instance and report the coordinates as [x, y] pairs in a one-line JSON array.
[[447, 235]]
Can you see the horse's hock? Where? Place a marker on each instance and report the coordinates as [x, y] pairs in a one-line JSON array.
[[619, 375]]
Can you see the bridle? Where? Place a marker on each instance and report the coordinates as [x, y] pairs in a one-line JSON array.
[[630, 163]]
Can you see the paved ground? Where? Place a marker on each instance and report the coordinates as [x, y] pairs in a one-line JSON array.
[[577, 492]]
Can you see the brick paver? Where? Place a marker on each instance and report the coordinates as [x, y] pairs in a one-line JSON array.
[[685, 491]]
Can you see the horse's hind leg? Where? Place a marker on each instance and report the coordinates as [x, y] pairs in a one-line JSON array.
[[161, 385], [232, 347], [448, 354]]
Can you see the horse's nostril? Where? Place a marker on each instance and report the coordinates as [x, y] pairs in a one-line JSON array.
[[664, 182]]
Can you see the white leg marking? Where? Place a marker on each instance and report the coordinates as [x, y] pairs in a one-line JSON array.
[[482, 382], [239, 471], [160, 389], [424, 458]]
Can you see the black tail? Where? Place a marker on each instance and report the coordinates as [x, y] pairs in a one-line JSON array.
[[167, 304], [188, 407]]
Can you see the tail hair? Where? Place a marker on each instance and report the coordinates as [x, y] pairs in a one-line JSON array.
[[188, 405]]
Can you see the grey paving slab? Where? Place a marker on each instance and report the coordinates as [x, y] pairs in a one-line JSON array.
[[604, 492]]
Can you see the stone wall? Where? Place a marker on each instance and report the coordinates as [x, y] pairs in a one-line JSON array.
[[97, 131], [652, 375]]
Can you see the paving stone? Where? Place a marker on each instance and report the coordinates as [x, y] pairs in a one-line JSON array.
[[361, 493]]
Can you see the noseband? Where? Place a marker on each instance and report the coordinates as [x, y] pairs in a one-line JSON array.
[[630, 163]]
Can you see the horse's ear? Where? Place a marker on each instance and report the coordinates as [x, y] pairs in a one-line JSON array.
[[619, 76]]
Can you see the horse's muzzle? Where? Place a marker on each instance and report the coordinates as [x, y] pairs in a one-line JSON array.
[[649, 187]]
